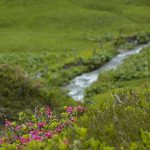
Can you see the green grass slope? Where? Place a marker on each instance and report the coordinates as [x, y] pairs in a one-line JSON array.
[[48, 25], [133, 73]]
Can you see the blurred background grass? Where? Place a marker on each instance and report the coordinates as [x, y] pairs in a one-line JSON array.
[[48, 25]]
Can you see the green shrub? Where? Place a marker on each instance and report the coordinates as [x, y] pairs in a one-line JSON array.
[[18, 91]]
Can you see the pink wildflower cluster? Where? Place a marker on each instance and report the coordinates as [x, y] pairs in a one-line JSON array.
[[7, 123], [1, 141], [71, 110], [40, 127], [24, 140]]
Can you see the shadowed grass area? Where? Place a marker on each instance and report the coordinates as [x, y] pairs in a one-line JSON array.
[[19, 92]]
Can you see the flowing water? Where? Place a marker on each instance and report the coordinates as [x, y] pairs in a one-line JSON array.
[[78, 85]]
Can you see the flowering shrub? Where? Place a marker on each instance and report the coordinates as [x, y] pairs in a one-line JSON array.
[[43, 125]]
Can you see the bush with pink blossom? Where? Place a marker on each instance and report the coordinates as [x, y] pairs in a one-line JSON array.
[[40, 127]]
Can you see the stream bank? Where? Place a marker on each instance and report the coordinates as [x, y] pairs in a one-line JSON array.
[[78, 85]]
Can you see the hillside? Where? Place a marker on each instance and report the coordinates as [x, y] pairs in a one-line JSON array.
[[49, 25], [44, 44]]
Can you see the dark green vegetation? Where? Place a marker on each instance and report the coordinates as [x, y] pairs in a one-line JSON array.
[[22, 90], [45, 43]]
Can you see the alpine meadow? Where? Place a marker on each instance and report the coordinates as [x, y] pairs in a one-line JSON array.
[[74, 75]]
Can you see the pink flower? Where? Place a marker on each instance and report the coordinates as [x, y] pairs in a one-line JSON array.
[[37, 129], [73, 119], [18, 128], [69, 110], [37, 138], [80, 109], [24, 140], [41, 124], [1, 141], [29, 124], [35, 132], [59, 129], [7, 123], [48, 134], [48, 111]]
